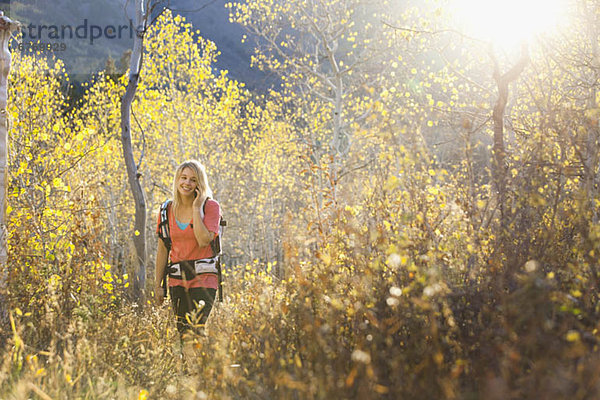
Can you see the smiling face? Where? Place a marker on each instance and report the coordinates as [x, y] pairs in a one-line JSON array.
[[189, 176], [187, 182]]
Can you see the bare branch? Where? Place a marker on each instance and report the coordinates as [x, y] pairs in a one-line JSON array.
[[436, 32]]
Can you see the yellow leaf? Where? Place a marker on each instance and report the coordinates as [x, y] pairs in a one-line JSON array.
[[573, 336], [433, 191]]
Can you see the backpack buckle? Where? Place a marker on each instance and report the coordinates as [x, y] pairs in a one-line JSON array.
[[205, 266], [174, 270]]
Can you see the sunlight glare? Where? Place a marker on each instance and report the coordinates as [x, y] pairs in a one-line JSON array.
[[509, 22]]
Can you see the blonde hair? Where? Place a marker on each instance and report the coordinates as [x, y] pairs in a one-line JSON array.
[[200, 174]]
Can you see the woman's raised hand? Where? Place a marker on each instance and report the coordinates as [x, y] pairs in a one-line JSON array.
[[198, 201]]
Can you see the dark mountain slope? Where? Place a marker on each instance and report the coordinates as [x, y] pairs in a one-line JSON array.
[[84, 58]]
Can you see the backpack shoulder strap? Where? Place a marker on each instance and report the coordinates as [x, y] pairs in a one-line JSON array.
[[222, 222], [165, 235], [163, 227], [215, 246]]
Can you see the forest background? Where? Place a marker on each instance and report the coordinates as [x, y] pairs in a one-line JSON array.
[[393, 230]]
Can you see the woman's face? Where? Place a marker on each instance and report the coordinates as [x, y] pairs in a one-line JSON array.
[[187, 183]]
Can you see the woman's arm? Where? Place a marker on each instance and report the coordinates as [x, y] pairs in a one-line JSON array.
[[161, 265], [203, 235]]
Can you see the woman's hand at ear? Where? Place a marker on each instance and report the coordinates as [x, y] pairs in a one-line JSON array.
[[198, 201]]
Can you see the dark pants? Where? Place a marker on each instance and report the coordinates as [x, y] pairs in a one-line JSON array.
[[186, 306]]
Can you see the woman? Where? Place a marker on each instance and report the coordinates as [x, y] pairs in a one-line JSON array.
[[192, 277]]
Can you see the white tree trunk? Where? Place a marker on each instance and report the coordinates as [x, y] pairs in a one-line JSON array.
[[133, 175], [7, 26]]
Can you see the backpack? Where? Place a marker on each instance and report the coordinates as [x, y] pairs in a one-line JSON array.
[[215, 244]]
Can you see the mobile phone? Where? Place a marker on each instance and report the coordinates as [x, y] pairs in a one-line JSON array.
[[195, 193]]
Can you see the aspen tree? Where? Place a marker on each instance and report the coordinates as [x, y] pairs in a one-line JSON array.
[[331, 57], [502, 81], [7, 26], [139, 238]]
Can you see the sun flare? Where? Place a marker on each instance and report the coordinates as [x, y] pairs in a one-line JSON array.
[[508, 22]]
